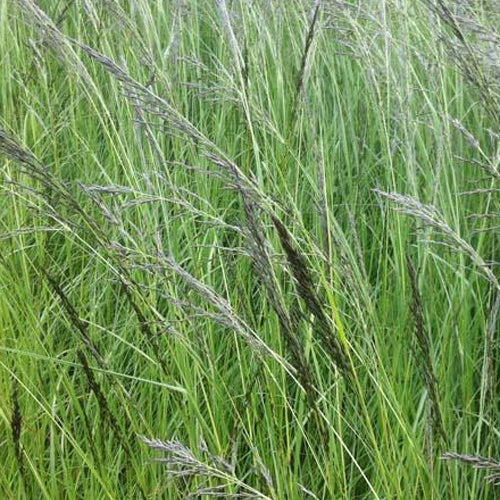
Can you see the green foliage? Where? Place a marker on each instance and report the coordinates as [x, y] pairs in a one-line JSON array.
[[257, 241]]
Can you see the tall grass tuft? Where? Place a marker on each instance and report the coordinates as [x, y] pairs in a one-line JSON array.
[[198, 244]]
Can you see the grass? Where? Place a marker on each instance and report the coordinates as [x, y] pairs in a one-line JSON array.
[[249, 249]]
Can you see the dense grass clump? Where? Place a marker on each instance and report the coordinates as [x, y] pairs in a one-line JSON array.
[[249, 249]]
